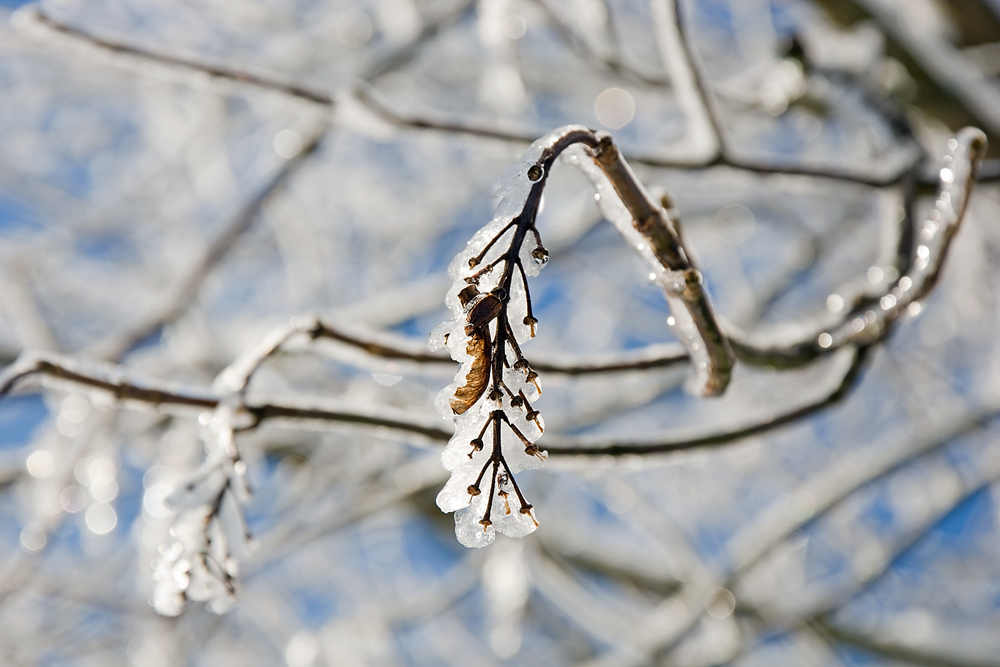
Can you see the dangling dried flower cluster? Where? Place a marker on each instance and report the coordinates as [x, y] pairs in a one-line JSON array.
[[492, 397]]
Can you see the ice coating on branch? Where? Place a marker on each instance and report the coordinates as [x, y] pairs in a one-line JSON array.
[[195, 565], [496, 425], [197, 562], [673, 283]]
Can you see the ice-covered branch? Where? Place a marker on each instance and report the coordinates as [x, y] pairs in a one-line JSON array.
[[107, 379], [648, 228], [870, 318], [111, 382], [653, 356], [593, 447], [198, 563]]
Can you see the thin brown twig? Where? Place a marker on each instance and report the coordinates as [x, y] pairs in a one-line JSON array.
[[110, 381], [35, 20], [725, 156], [656, 356], [567, 447], [164, 397]]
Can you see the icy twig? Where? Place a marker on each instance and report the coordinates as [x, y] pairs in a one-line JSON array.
[[198, 563], [235, 378], [112, 382], [870, 319], [393, 117], [590, 447], [105, 378], [692, 316], [652, 356]]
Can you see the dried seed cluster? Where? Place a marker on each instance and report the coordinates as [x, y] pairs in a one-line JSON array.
[[497, 425]]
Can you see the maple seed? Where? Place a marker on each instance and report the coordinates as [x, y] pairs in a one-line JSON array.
[[478, 375], [534, 172], [473, 490]]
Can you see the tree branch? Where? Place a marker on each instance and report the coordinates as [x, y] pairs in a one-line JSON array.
[[576, 447]]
